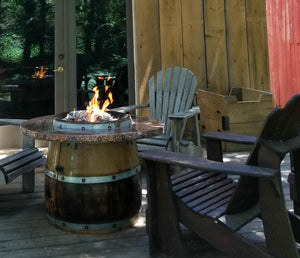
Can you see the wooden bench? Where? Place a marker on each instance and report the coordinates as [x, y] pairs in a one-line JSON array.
[[203, 196], [22, 162]]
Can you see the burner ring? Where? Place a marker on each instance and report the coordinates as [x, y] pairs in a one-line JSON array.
[[120, 122]]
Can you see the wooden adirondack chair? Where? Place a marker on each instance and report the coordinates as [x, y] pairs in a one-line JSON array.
[[205, 199], [172, 102]]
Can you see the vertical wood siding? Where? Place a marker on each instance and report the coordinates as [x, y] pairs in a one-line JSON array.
[[223, 42], [283, 20]]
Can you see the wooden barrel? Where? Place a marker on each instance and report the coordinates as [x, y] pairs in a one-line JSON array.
[[92, 188]]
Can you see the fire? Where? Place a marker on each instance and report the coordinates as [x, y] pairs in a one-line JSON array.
[[40, 73], [94, 108]]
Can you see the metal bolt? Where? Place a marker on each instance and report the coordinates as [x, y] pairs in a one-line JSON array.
[[83, 180], [86, 227], [109, 128], [59, 169], [113, 177], [83, 128]]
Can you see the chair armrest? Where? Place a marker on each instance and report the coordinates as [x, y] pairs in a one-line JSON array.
[[178, 122], [12, 121], [230, 137], [186, 114], [214, 142], [127, 109], [184, 160]]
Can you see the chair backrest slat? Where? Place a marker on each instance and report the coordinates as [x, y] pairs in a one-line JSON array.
[[175, 80], [168, 81], [191, 95], [186, 91], [159, 95], [171, 91], [151, 85], [180, 90]]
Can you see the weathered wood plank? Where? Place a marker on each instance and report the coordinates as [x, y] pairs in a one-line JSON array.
[[258, 44], [216, 52], [147, 42], [237, 44], [170, 33], [193, 40]]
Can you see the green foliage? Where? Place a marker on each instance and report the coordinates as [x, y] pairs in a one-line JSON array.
[[11, 48], [101, 34], [25, 29], [27, 33]]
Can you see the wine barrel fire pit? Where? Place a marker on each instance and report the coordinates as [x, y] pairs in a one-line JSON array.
[[91, 183]]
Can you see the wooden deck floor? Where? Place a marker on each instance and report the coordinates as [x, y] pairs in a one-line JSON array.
[[27, 232]]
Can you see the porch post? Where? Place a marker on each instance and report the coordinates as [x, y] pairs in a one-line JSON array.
[[65, 56]]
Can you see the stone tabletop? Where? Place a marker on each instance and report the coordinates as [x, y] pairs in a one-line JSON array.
[[42, 128]]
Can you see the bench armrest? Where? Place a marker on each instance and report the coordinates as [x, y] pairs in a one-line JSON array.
[[184, 160]]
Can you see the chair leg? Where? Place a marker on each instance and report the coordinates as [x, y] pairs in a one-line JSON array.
[[214, 150], [273, 210], [276, 222], [295, 223], [162, 223], [295, 184], [28, 179]]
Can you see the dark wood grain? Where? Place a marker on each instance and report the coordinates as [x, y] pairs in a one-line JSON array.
[[215, 207]]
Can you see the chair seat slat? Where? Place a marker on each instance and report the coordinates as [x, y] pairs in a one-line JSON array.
[[210, 193], [193, 173], [214, 203], [197, 179], [201, 185], [217, 213], [181, 173]]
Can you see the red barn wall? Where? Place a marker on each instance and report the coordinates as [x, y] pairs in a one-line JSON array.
[[283, 25]]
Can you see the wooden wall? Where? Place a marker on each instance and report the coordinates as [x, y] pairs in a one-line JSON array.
[[223, 42], [283, 19]]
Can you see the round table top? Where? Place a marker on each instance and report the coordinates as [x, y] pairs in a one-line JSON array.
[[42, 128]]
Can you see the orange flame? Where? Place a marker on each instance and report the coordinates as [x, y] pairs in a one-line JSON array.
[[94, 109], [40, 73]]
